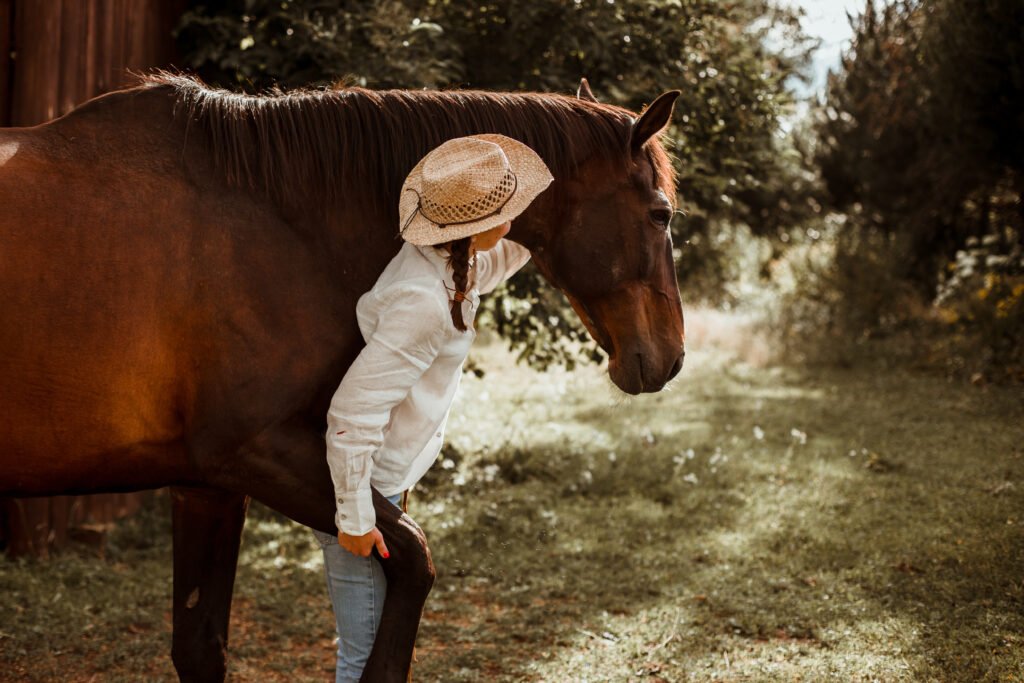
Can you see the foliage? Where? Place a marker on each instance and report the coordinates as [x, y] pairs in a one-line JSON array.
[[732, 62], [528, 303], [982, 298], [922, 126], [834, 291], [256, 44], [919, 143]]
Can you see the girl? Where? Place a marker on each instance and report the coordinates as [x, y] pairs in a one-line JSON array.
[[387, 419]]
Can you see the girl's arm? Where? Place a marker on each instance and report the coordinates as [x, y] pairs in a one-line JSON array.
[[496, 265], [409, 336]]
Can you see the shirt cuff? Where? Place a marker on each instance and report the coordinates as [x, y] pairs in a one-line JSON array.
[[355, 514]]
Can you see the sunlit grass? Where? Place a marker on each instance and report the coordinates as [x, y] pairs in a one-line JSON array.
[[754, 523]]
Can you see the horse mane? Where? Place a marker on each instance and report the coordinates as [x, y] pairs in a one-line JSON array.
[[302, 147]]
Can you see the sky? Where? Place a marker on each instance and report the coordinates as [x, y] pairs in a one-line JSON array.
[[826, 19]]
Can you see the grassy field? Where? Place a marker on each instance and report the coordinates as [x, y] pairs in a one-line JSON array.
[[750, 523]]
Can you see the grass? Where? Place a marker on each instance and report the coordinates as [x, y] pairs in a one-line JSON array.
[[750, 523]]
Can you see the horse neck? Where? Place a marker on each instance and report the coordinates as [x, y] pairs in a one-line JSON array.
[[537, 226]]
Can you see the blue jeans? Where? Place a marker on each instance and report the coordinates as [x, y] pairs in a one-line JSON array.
[[357, 587]]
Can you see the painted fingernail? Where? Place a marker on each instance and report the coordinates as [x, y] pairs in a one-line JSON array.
[[387, 555]]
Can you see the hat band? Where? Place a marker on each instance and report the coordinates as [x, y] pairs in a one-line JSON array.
[[473, 219]]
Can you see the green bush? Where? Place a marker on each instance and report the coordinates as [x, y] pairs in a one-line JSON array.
[[837, 289]]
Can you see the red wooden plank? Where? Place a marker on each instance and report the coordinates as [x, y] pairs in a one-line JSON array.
[[105, 53], [36, 40], [119, 44], [6, 66], [28, 525], [60, 520], [72, 53], [90, 72], [135, 32]]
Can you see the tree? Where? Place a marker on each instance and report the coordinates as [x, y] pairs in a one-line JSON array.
[[923, 122], [921, 141]]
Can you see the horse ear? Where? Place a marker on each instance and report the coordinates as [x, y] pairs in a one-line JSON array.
[[655, 117], [584, 92]]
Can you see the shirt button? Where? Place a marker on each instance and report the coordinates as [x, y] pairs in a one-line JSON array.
[[438, 435]]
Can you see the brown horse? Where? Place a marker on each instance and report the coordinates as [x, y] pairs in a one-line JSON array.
[[179, 268]]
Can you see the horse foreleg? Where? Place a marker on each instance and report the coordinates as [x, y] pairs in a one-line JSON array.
[[207, 532], [410, 574]]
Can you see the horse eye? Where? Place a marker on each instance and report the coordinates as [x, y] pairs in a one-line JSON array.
[[661, 217]]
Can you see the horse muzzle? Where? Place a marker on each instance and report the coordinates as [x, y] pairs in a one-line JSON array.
[[635, 373]]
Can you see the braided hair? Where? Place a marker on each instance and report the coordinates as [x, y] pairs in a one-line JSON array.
[[458, 260]]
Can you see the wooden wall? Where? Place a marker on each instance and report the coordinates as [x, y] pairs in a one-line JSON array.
[[6, 64], [67, 51], [55, 54]]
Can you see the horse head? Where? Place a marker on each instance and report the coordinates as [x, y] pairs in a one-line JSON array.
[[601, 235]]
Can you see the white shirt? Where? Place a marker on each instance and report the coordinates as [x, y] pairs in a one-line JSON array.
[[386, 422]]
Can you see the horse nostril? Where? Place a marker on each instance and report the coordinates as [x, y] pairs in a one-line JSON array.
[[677, 366]]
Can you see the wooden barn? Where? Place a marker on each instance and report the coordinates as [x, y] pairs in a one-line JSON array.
[[55, 54]]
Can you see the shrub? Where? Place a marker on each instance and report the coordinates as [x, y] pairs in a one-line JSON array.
[[982, 298]]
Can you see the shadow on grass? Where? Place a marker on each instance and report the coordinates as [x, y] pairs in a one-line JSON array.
[[830, 527], [80, 615], [749, 525]]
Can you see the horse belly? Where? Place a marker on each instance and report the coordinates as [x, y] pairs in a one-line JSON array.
[[88, 356]]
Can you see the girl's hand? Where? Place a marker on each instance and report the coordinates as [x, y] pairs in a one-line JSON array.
[[363, 545]]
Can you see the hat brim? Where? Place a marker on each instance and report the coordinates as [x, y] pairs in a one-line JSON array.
[[532, 178]]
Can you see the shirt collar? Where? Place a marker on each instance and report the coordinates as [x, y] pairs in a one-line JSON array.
[[440, 261], [436, 257]]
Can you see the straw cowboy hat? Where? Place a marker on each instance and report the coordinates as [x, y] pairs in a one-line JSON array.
[[469, 185]]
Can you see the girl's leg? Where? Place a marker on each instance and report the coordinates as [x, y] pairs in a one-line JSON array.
[[356, 586]]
